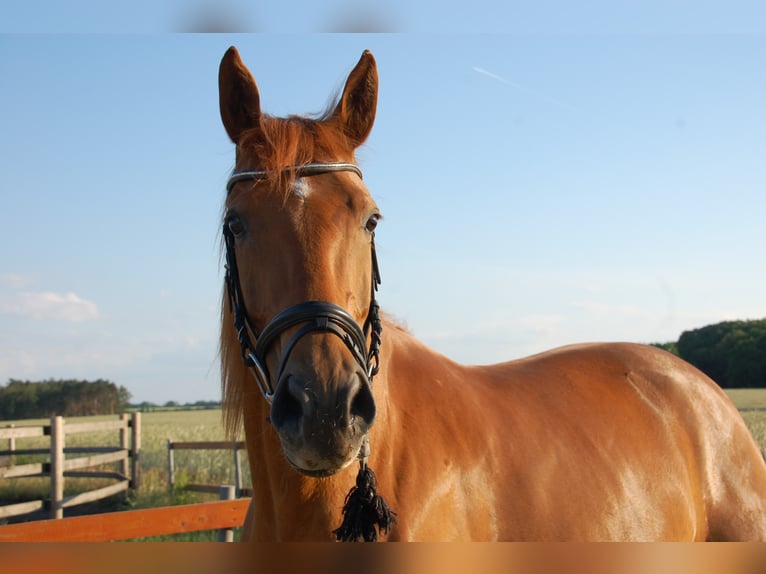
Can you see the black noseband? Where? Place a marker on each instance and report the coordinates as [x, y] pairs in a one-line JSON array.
[[314, 316]]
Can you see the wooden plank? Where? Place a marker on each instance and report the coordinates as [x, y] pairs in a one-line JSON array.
[[25, 451], [96, 494], [95, 474], [135, 451], [125, 419], [244, 492], [21, 470], [20, 508], [206, 445], [238, 471], [57, 467], [11, 440], [131, 524], [227, 492], [214, 488], [171, 466], [21, 432], [90, 427], [86, 461], [90, 449]]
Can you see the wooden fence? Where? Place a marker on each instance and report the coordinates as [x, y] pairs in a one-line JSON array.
[[221, 515], [234, 446], [127, 453]]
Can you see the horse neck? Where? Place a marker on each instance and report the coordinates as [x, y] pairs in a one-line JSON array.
[[416, 388]]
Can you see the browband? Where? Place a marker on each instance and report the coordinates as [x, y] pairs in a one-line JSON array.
[[300, 171]]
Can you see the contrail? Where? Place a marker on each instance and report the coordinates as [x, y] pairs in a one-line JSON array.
[[493, 76], [534, 93]]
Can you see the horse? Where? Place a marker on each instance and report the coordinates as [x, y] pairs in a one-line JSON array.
[[589, 442]]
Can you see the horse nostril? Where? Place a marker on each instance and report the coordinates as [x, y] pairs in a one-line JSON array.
[[363, 405], [288, 406], [296, 405]]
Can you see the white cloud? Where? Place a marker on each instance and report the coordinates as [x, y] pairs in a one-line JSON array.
[[48, 306]]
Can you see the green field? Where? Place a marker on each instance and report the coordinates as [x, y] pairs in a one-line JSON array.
[[748, 399], [211, 467], [752, 405]]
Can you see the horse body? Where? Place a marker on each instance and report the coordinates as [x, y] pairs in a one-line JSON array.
[[588, 442]]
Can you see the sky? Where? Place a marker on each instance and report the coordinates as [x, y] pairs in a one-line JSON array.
[[546, 177]]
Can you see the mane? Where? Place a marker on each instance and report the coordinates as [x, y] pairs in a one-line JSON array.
[[234, 374], [281, 143], [277, 144]]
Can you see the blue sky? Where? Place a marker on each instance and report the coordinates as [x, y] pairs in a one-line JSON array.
[[538, 189], [431, 16]]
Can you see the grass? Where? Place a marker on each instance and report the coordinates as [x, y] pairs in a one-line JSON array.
[[748, 399], [208, 467], [752, 404]]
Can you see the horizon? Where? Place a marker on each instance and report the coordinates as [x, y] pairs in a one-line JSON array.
[[217, 402]]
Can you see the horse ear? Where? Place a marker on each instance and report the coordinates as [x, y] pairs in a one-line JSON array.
[[355, 112], [238, 96]]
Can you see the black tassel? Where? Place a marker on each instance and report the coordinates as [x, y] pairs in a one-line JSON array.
[[364, 511]]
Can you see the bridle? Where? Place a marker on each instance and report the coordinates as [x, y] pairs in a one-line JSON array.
[[314, 316]]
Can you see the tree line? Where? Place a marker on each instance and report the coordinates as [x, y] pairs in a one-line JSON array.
[[28, 399], [732, 353], [148, 406]]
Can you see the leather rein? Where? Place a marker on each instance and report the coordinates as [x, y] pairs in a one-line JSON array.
[[314, 316]]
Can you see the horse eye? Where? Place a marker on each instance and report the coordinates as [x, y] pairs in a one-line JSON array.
[[372, 223], [235, 225]]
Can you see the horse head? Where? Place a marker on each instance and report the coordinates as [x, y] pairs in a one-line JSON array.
[[299, 232]]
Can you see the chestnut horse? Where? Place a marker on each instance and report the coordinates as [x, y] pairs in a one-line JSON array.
[[587, 442]]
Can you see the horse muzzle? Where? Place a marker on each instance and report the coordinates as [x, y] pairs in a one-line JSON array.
[[322, 426]]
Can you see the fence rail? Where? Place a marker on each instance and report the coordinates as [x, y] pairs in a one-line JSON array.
[[59, 467], [221, 515]]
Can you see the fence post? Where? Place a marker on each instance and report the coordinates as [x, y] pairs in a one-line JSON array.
[[171, 465], [57, 467], [12, 447], [135, 452], [237, 470], [227, 492], [124, 444]]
